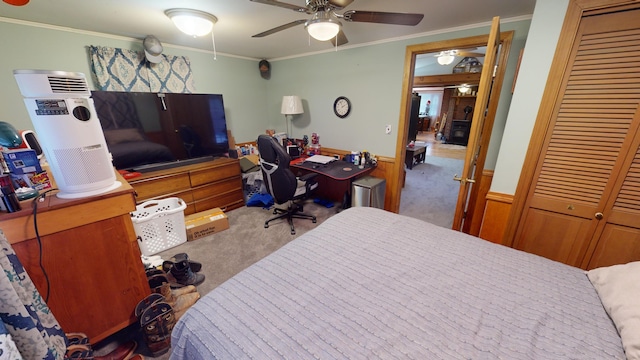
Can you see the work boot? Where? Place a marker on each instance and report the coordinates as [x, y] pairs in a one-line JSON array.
[[179, 299], [157, 322], [182, 273], [194, 265], [145, 303]]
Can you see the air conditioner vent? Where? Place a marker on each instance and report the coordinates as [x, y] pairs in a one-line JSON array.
[[68, 85]]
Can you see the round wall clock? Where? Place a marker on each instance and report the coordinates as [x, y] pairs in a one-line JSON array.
[[342, 107]]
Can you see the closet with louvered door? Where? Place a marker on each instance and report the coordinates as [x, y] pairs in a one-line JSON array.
[[583, 205]]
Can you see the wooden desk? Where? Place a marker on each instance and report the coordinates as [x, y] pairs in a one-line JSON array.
[[90, 255], [336, 179]]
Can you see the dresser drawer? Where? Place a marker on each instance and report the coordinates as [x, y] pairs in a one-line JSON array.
[[217, 188], [204, 176], [161, 186], [226, 201]]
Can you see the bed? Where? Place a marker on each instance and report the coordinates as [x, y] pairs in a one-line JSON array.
[[368, 283]]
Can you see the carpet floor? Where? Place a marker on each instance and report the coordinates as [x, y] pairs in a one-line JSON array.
[[429, 192]]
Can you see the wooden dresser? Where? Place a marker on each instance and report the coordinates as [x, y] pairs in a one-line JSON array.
[[91, 258], [202, 186]]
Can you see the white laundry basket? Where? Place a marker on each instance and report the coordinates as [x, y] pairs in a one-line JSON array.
[[159, 224]]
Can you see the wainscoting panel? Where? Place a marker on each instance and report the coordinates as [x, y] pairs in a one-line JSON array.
[[496, 215]]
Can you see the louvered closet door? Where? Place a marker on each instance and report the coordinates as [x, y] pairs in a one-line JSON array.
[[588, 148], [617, 239]]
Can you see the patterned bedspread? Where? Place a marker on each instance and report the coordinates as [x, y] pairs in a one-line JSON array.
[[372, 284]]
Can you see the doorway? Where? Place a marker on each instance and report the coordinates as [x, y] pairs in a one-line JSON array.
[[413, 78], [428, 193]]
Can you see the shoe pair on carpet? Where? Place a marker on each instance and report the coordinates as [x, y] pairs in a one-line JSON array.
[[182, 271], [173, 292], [79, 348]]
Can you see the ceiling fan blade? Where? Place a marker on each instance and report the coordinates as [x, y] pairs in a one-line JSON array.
[[340, 4], [280, 28], [282, 5], [470, 54], [341, 39], [383, 17]]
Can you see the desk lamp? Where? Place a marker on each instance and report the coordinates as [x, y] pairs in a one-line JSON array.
[[291, 105]]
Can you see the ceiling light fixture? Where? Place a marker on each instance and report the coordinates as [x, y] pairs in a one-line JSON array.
[[192, 22], [446, 57], [322, 26], [464, 88]]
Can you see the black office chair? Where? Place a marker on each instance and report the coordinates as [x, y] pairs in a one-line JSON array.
[[281, 183]]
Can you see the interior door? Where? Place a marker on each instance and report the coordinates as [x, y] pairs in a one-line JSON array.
[[469, 176]]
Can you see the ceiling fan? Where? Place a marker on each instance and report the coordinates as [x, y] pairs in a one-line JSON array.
[[325, 25], [446, 57]]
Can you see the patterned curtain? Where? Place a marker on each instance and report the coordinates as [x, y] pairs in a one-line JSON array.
[[128, 70], [28, 329]]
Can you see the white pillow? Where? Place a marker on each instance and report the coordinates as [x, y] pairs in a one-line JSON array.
[[619, 289]]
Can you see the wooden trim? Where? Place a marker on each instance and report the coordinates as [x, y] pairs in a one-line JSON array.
[[499, 197], [447, 79], [478, 204], [396, 177], [496, 214]]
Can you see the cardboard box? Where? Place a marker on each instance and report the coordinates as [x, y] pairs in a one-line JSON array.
[[205, 223]]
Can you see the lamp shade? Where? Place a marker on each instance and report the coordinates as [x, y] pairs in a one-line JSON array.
[[291, 104], [322, 26], [192, 22]]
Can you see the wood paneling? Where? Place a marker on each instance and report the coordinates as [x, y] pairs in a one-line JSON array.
[[495, 217], [477, 204]]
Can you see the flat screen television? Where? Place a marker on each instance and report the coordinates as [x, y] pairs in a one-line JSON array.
[[152, 131]]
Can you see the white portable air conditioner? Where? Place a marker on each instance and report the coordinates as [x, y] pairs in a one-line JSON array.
[[65, 119]]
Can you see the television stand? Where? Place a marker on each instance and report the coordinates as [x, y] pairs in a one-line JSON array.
[[209, 183], [170, 164]]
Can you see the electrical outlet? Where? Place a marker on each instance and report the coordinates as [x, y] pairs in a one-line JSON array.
[[387, 130]]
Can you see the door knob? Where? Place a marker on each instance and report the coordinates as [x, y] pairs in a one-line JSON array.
[[463, 181], [599, 215]]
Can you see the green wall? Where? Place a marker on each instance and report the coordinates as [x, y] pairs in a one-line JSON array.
[[371, 76], [31, 46]]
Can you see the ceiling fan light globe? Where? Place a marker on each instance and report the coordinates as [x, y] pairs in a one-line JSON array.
[[445, 59], [322, 26], [192, 22]]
